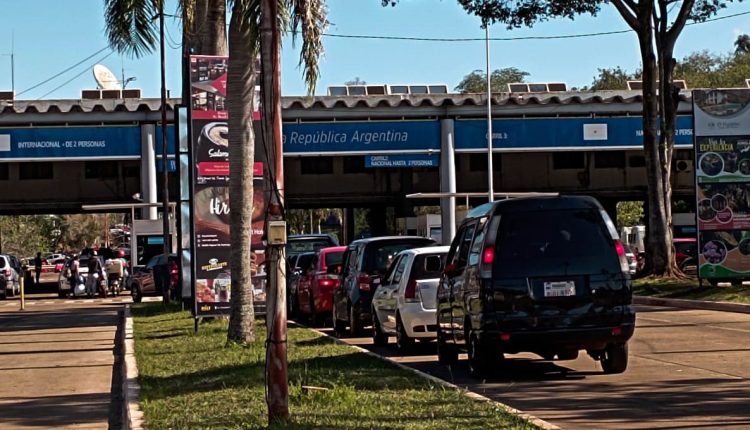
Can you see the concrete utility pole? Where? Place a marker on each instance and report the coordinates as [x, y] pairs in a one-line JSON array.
[[490, 173], [276, 360], [164, 151]]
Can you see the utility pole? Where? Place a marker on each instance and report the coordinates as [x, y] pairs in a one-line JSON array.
[[164, 152], [490, 173], [276, 359]]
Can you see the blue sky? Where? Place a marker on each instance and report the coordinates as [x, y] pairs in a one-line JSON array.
[[52, 35]]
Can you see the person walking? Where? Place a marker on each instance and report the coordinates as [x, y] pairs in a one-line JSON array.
[[74, 274], [95, 272], [38, 267]]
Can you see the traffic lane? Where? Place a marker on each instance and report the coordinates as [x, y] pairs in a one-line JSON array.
[[56, 366], [686, 371]]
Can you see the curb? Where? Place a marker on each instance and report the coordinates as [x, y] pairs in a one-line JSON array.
[[133, 416], [692, 304], [470, 394]]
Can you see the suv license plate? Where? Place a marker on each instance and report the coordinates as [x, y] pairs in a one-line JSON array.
[[559, 289]]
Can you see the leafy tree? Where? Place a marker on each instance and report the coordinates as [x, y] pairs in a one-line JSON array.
[[657, 25], [476, 81], [612, 79], [742, 44], [629, 214], [355, 81]]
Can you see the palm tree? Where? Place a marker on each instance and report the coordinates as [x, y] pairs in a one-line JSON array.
[[742, 44]]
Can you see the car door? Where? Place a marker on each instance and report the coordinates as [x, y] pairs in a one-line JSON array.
[[457, 281], [147, 280], [348, 276], [386, 294]]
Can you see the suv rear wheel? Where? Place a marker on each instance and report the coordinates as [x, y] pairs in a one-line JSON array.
[[480, 358], [447, 354], [404, 343], [615, 359], [136, 292], [378, 337]]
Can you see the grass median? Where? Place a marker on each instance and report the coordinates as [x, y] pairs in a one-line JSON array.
[[673, 288], [196, 381]]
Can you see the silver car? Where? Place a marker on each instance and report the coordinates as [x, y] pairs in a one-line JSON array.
[[10, 276]]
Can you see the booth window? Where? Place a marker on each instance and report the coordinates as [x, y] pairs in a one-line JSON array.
[[35, 170], [609, 160], [568, 160], [4, 175], [101, 170], [316, 165], [354, 164]]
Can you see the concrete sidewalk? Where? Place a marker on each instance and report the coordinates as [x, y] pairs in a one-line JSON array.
[[56, 366]]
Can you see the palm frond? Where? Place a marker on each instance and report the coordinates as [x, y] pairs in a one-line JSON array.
[[311, 16], [130, 26]]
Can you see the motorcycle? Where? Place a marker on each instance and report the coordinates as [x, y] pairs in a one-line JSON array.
[[116, 272], [115, 284]]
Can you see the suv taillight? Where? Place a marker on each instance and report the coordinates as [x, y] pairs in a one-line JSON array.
[[624, 266], [327, 282], [7, 273], [363, 282]]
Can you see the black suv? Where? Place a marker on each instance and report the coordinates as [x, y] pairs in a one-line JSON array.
[[546, 275], [364, 263]]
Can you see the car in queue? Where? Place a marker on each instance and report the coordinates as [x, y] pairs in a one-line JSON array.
[[159, 277], [404, 303], [546, 275], [64, 287], [10, 276], [314, 292], [364, 264], [302, 262]]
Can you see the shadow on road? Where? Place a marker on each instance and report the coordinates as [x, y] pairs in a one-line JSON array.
[[53, 411]]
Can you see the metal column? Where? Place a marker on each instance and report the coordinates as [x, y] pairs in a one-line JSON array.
[[447, 180], [148, 170]]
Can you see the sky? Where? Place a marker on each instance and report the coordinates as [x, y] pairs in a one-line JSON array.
[[46, 37]]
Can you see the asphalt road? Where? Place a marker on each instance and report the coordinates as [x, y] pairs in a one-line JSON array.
[[689, 369]]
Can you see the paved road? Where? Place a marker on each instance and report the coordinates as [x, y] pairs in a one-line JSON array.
[[689, 369], [56, 362]]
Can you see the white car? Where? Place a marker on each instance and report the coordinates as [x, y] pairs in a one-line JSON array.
[[10, 276], [404, 304], [63, 283]]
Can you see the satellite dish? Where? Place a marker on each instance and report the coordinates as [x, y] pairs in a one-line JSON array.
[[105, 78]]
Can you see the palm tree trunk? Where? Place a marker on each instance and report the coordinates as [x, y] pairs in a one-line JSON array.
[[240, 88]]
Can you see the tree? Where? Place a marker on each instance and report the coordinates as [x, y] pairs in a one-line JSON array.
[[612, 79], [355, 81], [476, 81], [629, 213], [657, 25], [742, 44]]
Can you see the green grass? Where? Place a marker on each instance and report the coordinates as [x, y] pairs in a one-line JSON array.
[[673, 288], [196, 381]]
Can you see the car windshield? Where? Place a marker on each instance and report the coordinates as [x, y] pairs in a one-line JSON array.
[[553, 243], [298, 246], [333, 258]]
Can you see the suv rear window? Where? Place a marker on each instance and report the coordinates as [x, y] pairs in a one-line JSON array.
[[334, 258], [297, 246], [378, 256], [553, 243]]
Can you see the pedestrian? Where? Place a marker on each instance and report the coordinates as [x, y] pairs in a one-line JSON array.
[[38, 267], [74, 274], [95, 272]]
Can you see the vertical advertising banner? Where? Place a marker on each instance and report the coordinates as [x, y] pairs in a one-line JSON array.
[[722, 160], [211, 205]]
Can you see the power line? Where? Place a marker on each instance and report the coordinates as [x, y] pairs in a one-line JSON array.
[[506, 39], [76, 76], [63, 72]]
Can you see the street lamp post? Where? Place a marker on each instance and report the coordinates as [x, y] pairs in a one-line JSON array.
[[164, 152], [490, 182]]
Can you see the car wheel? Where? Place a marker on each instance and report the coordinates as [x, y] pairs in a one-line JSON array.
[[61, 294], [3, 295], [378, 337], [338, 325], [615, 359], [313, 317], [136, 292], [480, 358], [404, 343], [567, 355], [354, 324], [447, 354]]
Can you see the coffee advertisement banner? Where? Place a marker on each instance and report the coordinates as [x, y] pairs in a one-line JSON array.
[[211, 203], [722, 168]]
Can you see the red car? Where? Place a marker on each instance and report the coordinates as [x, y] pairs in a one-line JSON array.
[[686, 251], [317, 282]]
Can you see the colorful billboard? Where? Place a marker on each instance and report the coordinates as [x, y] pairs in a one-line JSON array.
[[722, 160], [211, 203]]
